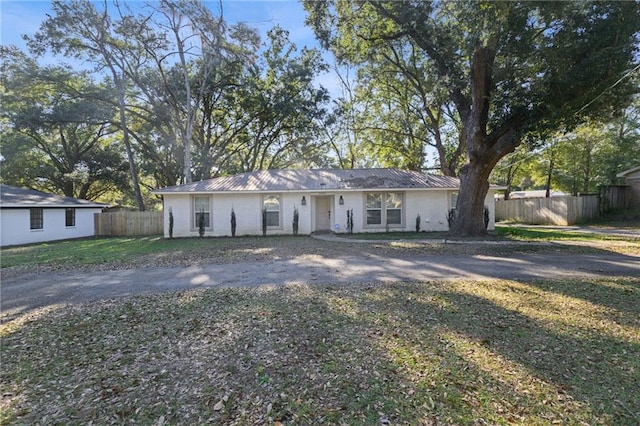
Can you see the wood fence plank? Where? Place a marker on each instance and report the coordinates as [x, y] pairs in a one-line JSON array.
[[549, 211], [126, 224]]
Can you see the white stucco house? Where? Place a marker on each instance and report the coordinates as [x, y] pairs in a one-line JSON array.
[[380, 199], [29, 216]]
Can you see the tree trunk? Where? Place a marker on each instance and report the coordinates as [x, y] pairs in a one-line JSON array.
[[468, 218], [186, 140], [510, 174], [547, 193], [127, 145], [483, 150]]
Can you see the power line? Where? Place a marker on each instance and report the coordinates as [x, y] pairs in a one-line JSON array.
[[608, 88]]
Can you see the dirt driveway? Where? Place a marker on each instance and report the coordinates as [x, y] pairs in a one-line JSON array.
[[24, 292]]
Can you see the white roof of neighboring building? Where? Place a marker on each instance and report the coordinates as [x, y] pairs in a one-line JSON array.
[[318, 180], [537, 193], [13, 197]]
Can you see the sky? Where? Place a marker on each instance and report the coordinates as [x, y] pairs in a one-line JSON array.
[[20, 17]]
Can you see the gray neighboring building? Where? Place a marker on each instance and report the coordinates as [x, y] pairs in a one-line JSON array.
[[28, 216], [632, 179]]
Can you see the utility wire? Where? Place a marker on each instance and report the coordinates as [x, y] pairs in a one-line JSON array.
[[607, 89], [576, 113]]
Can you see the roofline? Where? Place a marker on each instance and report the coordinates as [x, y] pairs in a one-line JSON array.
[[53, 206], [627, 172], [306, 191]]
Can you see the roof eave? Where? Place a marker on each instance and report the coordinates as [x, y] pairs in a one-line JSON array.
[[52, 206], [628, 172], [306, 190]]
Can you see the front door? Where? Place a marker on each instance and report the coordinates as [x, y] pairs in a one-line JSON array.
[[323, 214]]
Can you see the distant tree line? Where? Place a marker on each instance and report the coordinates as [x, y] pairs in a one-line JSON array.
[[170, 93]]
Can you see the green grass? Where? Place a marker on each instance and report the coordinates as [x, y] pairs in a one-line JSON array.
[[551, 234], [497, 352], [83, 251], [125, 250], [505, 233], [465, 352], [619, 219]]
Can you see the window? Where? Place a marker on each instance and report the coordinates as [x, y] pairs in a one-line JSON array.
[[271, 203], [201, 208], [70, 217], [384, 208], [35, 218], [374, 209], [454, 200], [394, 208]]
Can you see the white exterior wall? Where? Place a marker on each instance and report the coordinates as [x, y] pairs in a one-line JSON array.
[[432, 206], [352, 200], [180, 205], [248, 210], [247, 207], [15, 226], [490, 203]]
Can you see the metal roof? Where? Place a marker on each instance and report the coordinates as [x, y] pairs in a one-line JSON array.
[[628, 172], [11, 196], [317, 180]]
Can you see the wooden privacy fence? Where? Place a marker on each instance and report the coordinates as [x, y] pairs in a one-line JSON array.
[[126, 224], [549, 211], [614, 198]]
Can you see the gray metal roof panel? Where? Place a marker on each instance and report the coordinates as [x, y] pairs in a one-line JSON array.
[[11, 196], [317, 180], [628, 172]]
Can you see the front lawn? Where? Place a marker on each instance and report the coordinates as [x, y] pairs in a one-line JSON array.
[[523, 233], [466, 352], [127, 252], [132, 252]]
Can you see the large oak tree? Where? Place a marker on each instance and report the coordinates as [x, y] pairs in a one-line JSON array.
[[513, 70], [54, 137]]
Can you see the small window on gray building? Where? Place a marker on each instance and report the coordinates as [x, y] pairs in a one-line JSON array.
[[69, 217], [36, 218]]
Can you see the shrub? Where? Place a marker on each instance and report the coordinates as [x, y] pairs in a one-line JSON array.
[[264, 221], [170, 223], [486, 218], [233, 223], [201, 224], [295, 220], [418, 223], [350, 221]]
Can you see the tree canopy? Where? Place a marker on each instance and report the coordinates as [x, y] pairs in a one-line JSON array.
[[513, 71], [186, 93], [173, 92]]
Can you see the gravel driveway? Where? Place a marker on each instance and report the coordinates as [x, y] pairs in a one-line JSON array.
[[24, 292]]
